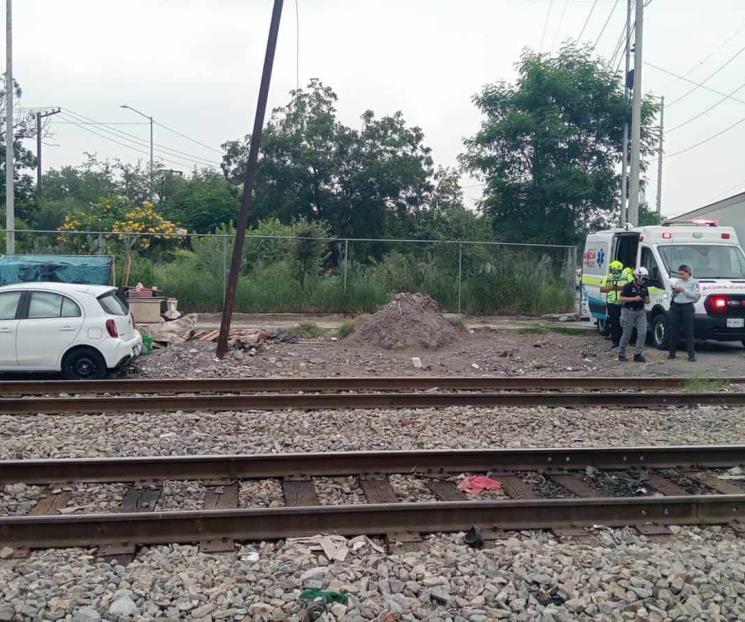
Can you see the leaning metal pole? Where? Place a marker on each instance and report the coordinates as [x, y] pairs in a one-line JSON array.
[[247, 200]]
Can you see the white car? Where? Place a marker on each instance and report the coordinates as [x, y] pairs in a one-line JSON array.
[[81, 331]]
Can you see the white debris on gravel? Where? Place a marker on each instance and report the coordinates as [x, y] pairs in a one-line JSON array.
[[529, 576], [261, 493], [411, 488], [48, 436]]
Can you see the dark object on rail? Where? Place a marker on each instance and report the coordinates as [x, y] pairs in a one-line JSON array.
[[474, 538]]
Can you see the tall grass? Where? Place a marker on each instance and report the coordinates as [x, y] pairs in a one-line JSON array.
[[506, 284]]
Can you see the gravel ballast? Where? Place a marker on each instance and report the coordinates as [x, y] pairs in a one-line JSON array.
[[698, 574]]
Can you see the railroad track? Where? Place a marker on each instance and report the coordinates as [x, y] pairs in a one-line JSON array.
[[153, 396], [667, 485], [165, 386]]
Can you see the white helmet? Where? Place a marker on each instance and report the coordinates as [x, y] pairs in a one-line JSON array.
[[641, 273]]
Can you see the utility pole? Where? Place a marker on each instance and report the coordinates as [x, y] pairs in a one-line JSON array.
[[625, 163], [659, 156], [248, 184], [636, 117], [10, 215], [152, 167], [39, 117]]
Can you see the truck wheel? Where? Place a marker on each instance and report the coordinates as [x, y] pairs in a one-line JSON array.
[[603, 327], [83, 364], [659, 331]]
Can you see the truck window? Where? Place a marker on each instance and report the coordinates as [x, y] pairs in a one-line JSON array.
[[650, 263], [708, 261]]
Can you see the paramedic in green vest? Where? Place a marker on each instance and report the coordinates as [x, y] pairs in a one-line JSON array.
[[612, 285]]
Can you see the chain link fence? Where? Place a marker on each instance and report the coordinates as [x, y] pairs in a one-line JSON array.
[[288, 274]]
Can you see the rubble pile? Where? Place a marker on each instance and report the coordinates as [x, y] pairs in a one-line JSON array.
[[407, 321]]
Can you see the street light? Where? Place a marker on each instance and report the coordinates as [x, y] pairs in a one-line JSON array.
[[149, 118]]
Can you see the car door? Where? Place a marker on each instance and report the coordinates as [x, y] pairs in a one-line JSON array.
[[48, 327], [8, 327]]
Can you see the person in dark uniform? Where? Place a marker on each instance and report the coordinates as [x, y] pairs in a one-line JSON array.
[[634, 296]]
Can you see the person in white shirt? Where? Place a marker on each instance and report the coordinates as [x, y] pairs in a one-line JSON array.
[[685, 293]]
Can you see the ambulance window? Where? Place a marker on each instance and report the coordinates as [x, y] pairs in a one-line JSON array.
[[650, 263]]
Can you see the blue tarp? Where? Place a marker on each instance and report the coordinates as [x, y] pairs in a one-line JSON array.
[[88, 269]]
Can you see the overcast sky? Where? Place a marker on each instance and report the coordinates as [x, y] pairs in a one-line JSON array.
[[195, 66]]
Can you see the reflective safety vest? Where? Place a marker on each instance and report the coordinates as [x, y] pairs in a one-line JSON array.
[[617, 279]]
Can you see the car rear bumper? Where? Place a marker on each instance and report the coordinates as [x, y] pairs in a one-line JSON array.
[[715, 328], [125, 352]]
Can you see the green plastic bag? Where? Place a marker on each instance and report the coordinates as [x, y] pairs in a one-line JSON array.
[[147, 344]]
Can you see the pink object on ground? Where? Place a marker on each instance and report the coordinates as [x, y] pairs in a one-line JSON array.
[[475, 484]]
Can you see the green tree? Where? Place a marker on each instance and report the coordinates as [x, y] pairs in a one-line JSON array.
[[550, 145], [309, 249], [312, 166], [202, 202], [24, 161]]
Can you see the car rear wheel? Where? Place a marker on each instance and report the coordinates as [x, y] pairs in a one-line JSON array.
[[84, 364], [659, 331]]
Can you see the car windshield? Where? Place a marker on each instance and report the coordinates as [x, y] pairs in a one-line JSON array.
[[112, 305], [708, 261]]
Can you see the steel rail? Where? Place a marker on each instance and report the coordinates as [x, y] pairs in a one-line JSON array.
[[346, 401], [414, 383], [431, 462], [273, 523]]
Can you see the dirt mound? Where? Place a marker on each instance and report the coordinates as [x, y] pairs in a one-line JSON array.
[[407, 321]]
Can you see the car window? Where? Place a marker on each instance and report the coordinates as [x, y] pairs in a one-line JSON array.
[[44, 305], [8, 305], [70, 308], [650, 263], [112, 305]]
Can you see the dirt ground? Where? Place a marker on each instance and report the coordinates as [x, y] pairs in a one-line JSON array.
[[535, 350]]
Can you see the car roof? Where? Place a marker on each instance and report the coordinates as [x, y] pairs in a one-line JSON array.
[[62, 288]]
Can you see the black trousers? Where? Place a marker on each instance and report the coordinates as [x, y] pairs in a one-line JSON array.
[[614, 322], [681, 317]]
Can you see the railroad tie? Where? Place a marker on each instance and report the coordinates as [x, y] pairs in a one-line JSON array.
[[220, 497], [135, 500]]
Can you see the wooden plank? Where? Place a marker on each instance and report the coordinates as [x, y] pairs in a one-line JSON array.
[[299, 492], [575, 485], [516, 488], [378, 490], [446, 491], [399, 542], [665, 486], [135, 500], [51, 504], [223, 497], [722, 486]]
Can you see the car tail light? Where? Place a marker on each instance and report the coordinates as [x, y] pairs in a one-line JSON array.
[[716, 304], [111, 328], [726, 236]]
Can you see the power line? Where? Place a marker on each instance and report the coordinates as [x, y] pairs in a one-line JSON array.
[[589, 15], [719, 47], [703, 86], [76, 116], [297, 45], [709, 77], [196, 142], [126, 145], [557, 36], [605, 25], [703, 142], [545, 25], [709, 109]]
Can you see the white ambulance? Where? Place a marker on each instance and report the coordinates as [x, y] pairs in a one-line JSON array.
[[714, 255]]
